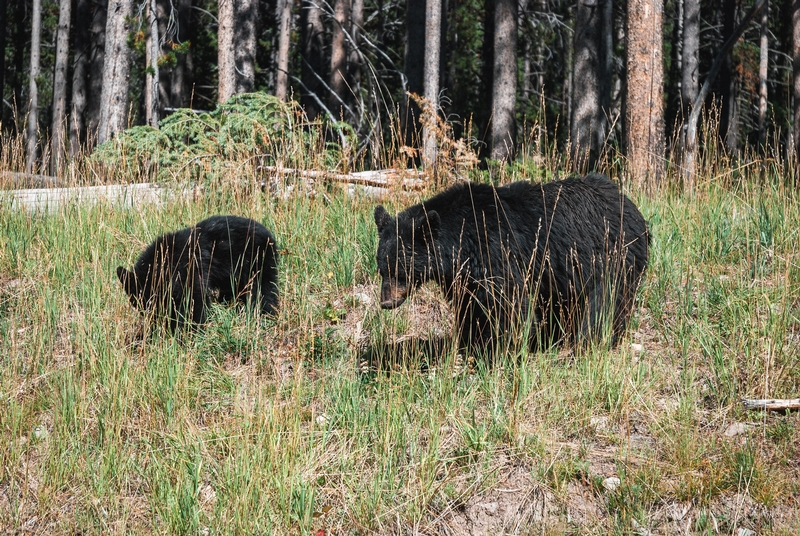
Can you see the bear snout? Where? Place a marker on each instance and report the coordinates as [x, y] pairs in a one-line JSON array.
[[392, 294]]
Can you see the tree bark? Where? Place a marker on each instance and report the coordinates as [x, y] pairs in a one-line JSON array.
[[246, 15], [762, 75], [585, 123], [58, 143], [32, 131], [645, 114], [354, 63], [80, 65], [97, 66], [504, 92], [313, 59], [152, 78], [284, 33], [116, 71], [796, 79], [338, 81], [433, 28], [226, 58], [690, 54]]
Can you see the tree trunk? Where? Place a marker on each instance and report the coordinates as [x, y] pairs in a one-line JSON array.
[[116, 71], [284, 33], [762, 75], [433, 28], [19, 60], [504, 91], [585, 123], [181, 76], [645, 121], [97, 65], [32, 132], [245, 51], [356, 23], [58, 143], [729, 120], [80, 64], [3, 20], [313, 59], [226, 59], [338, 82], [152, 78], [690, 54], [413, 69], [796, 79]]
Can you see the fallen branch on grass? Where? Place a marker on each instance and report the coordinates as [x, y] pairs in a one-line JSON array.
[[13, 179], [771, 404], [381, 178]]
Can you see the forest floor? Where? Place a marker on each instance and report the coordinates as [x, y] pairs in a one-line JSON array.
[[276, 426]]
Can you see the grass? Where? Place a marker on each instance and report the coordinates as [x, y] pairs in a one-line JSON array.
[[267, 426]]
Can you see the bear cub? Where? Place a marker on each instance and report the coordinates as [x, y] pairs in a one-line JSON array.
[[564, 257], [222, 258]]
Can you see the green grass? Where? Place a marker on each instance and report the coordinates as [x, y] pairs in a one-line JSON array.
[[266, 426]]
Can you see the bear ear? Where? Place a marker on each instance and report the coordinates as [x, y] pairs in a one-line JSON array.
[[428, 225], [435, 222], [382, 218], [127, 279]]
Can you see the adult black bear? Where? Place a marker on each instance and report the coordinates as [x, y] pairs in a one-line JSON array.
[[222, 258], [568, 255]]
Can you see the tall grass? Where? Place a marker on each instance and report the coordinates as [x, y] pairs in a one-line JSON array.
[[256, 425]]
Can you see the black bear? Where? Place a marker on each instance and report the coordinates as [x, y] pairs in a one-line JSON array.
[[222, 258], [568, 255]]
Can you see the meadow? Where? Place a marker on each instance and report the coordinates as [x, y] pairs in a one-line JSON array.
[[110, 425]]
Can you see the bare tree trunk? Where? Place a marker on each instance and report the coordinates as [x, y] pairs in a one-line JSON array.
[[762, 75], [116, 71], [226, 58], [284, 33], [433, 28], [313, 58], [80, 64], [586, 111], [690, 54], [338, 82], [356, 22], [796, 79], [32, 132], [58, 143], [645, 121], [20, 32], [504, 92], [152, 78], [97, 67], [246, 15]]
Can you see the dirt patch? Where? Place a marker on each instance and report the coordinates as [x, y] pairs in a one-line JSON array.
[[514, 505]]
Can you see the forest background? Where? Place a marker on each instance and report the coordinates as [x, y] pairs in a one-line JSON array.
[[593, 79]]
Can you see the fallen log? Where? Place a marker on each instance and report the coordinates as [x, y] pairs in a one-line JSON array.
[[12, 179], [771, 404], [382, 178]]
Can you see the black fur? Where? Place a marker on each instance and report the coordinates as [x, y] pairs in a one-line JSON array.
[[222, 258], [567, 254]]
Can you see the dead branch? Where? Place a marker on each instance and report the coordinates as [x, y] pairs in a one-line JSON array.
[[771, 404]]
